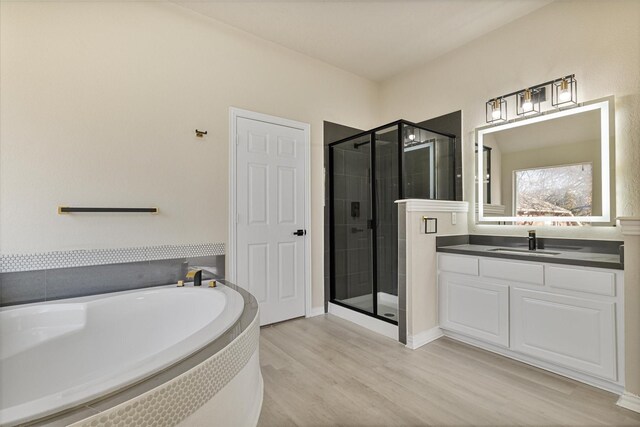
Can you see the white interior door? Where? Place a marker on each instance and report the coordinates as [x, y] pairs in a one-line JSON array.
[[270, 205]]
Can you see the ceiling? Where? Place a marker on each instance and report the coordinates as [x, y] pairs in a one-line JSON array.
[[373, 39]]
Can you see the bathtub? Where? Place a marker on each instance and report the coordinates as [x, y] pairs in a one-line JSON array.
[[64, 357]]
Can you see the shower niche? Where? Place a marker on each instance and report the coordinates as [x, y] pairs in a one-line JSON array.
[[368, 172]]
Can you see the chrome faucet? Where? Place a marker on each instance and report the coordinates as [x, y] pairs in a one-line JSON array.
[[532, 240], [196, 275]]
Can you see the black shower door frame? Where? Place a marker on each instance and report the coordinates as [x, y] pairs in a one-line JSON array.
[[332, 229]]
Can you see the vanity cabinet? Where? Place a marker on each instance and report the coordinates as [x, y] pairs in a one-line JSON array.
[[560, 317], [476, 308], [578, 333]]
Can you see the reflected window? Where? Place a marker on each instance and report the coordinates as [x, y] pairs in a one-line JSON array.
[[554, 191]]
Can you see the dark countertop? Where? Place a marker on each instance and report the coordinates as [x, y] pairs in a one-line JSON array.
[[565, 256]]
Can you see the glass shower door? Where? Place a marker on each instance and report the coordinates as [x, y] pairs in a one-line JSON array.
[[428, 164], [350, 217], [387, 191]]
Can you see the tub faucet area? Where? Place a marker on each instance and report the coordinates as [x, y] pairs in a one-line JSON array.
[[196, 275]]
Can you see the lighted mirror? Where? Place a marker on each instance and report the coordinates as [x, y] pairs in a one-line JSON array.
[[552, 169]]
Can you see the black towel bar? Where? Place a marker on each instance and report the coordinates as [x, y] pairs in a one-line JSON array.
[[67, 209]]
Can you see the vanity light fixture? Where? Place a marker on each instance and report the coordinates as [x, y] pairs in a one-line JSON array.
[[496, 110], [564, 91]]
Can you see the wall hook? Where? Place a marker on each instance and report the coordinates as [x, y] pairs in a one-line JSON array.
[[201, 133]]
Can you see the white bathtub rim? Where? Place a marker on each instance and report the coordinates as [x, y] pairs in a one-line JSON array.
[[138, 372], [249, 316], [143, 402]]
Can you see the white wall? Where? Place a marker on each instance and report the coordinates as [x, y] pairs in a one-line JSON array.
[[597, 40], [99, 102]]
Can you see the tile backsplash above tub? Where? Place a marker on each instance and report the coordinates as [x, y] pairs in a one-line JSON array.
[[67, 275], [82, 258]]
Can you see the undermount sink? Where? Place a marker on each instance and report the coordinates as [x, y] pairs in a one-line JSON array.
[[523, 251]]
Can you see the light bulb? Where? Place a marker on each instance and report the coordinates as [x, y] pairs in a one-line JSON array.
[[527, 105], [495, 110], [412, 137], [564, 92], [565, 96]]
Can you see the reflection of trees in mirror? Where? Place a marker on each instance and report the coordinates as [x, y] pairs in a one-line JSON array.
[[554, 191]]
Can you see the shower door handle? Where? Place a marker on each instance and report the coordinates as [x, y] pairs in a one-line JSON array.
[[300, 232]]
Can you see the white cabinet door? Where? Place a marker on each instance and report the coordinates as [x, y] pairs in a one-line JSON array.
[[574, 332], [475, 308]]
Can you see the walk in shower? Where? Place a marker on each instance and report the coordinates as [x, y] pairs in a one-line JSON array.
[[368, 172]]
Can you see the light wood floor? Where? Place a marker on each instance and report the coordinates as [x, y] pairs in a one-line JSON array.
[[326, 371]]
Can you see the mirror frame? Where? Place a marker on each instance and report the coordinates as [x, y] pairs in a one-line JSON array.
[[606, 107]]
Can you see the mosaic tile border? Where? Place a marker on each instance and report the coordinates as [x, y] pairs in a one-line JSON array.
[[85, 258], [173, 402]]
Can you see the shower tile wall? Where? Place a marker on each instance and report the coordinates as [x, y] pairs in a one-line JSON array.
[[352, 195], [332, 132]]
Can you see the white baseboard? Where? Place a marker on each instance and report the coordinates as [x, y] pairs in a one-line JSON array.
[[379, 326], [315, 311], [629, 401], [424, 337]]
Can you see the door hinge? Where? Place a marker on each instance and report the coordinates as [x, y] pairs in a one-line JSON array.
[[237, 218], [237, 139]]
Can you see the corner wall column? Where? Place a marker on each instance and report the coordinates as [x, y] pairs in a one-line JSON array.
[[630, 227], [417, 265]]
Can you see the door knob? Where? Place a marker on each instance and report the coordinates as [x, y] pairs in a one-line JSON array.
[[300, 232]]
